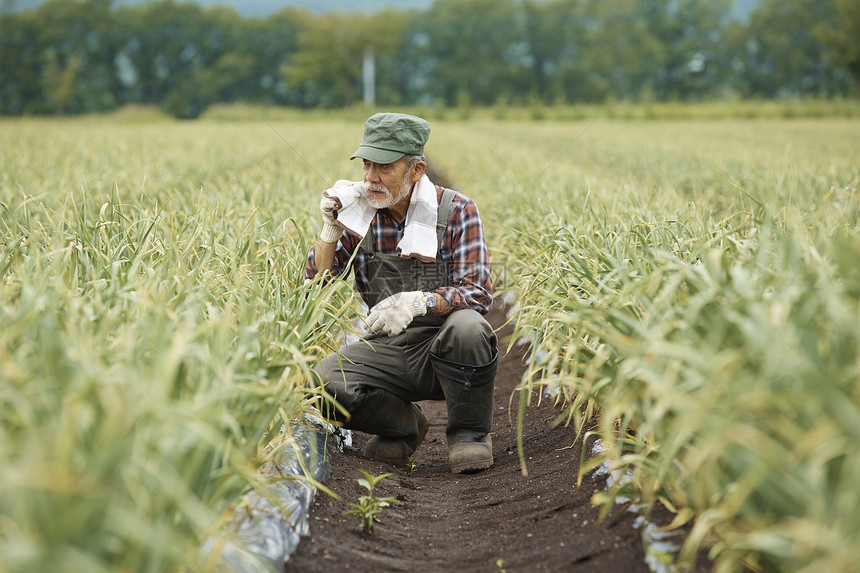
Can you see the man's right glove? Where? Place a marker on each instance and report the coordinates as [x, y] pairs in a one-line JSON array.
[[330, 232]]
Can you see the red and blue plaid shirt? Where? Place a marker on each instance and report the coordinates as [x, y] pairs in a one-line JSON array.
[[463, 250]]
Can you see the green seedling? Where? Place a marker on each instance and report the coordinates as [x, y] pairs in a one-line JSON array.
[[369, 507]]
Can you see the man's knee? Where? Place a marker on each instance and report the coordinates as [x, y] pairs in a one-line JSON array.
[[466, 337], [333, 381]]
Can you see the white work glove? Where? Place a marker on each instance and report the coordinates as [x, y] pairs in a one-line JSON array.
[[393, 314], [330, 232]]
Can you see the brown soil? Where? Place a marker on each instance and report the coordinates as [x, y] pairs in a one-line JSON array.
[[498, 519]]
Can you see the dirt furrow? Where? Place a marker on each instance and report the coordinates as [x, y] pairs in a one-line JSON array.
[[496, 519]]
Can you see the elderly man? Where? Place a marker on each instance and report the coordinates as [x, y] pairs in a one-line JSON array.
[[420, 262]]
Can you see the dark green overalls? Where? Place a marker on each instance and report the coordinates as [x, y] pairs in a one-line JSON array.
[[435, 358]]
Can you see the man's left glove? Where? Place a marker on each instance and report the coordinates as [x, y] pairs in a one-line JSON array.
[[393, 314]]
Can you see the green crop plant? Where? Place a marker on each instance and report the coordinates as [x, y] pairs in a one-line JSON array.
[[155, 334], [368, 506], [689, 289], [702, 299]]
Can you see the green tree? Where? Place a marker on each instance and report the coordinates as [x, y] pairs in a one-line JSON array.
[[780, 53], [328, 60], [71, 56], [271, 42], [478, 47], [551, 30], [843, 36], [619, 50], [75, 44], [691, 33], [169, 45], [21, 84], [60, 82], [387, 33]]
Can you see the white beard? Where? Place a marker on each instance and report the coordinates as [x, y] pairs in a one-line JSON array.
[[390, 199]]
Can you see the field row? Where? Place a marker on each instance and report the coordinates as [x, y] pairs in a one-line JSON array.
[[695, 288], [693, 281]]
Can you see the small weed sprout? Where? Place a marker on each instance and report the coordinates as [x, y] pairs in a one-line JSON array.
[[413, 467], [369, 507]]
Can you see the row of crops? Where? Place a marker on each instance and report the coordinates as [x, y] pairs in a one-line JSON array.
[[698, 287], [696, 283], [154, 334]]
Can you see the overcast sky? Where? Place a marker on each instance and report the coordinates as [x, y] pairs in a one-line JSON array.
[[266, 7]]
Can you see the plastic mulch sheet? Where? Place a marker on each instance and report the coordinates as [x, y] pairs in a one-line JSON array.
[[267, 525]]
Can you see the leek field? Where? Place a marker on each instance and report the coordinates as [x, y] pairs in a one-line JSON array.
[[690, 288]]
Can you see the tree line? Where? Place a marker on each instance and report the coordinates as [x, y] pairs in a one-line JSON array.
[[79, 56]]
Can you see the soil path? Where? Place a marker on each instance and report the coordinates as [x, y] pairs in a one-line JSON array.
[[494, 520]]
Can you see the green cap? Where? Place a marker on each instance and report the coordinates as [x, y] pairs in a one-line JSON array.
[[390, 136]]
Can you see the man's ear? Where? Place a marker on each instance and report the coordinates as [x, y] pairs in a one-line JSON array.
[[418, 171]]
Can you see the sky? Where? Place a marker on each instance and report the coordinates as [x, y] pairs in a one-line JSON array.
[[266, 7], [263, 8]]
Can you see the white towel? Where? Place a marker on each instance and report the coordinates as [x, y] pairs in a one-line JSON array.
[[419, 237], [354, 213]]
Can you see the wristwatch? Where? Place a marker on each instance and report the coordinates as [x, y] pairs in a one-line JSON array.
[[429, 302]]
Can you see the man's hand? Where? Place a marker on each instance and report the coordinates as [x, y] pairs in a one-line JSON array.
[[393, 314], [330, 232], [328, 208]]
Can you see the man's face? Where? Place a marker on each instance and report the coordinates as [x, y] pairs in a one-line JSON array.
[[386, 183]]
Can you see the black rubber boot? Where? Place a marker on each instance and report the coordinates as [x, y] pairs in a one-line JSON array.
[[399, 426], [469, 396]]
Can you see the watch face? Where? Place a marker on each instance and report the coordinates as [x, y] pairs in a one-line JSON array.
[[430, 301]]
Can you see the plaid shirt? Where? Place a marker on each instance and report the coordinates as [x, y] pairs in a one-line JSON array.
[[463, 250]]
